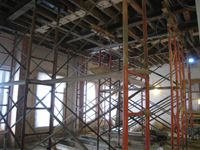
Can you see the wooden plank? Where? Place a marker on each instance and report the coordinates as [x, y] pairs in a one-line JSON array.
[[142, 71], [108, 11], [19, 9], [71, 9], [135, 6], [95, 13], [193, 81], [100, 69], [137, 23]]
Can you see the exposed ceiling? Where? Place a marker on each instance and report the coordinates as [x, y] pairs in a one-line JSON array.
[[17, 15]]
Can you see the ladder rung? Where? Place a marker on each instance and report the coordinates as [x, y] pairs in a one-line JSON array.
[[135, 114], [35, 108]]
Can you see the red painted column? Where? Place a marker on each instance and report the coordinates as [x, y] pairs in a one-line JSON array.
[[184, 95], [145, 35], [125, 75], [177, 92], [181, 92]]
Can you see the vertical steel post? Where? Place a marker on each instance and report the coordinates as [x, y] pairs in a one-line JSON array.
[[119, 98], [181, 92], [145, 35], [98, 100], [81, 95], [172, 93], [86, 68], [9, 93], [66, 94], [177, 92], [142, 121], [190, 96], [109, 125], [184, 95], [125, 74], [27, 77], [54, 77], [77, 93]]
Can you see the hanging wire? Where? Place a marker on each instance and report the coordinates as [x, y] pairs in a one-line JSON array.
[[192, 8]]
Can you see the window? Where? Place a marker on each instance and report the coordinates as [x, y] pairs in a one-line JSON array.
[[4, 77], [42, 116], [105, 106], [89, 101]]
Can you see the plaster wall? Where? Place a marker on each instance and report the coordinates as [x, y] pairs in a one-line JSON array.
[[157, 95]]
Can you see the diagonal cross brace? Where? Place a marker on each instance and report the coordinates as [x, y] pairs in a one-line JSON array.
[[10, 129], [77, 140]]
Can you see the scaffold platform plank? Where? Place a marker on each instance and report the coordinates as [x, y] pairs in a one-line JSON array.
[[142, 71]]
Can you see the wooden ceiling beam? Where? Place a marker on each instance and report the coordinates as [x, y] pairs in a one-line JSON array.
[[108, 11], [71, 9], [186, 15], [94, 12]]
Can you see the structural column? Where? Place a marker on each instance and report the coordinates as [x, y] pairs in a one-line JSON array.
[[190, 97], [27, 77], [51, 127], [21, 91], [81, 93], [145, 36], [125, 74], [172, 90]]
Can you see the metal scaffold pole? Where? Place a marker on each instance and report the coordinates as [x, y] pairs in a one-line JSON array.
[[98, 100], [147, 141], [8, 89], [126, 108], [190, 97], [184, 96], [176, 57], [27, 78], [125, 75], [54, 72], [182, 93], [172, 92]]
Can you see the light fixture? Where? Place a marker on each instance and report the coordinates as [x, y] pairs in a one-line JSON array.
[[190, 60], [199, 101], [156, 91]]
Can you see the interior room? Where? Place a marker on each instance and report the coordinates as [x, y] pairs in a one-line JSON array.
[[99, 74]]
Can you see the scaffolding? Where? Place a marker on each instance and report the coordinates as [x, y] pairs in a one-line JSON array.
[[109, 83], [126, 114]]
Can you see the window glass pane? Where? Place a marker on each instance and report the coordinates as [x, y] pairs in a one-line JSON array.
[[58, 110], [90, 101], [106, 103], [42, 117], [4, 77]]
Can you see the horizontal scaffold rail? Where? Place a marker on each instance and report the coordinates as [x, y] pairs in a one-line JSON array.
[[117, 75]]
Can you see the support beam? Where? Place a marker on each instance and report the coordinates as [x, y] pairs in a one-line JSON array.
[[198, 14], [95, 13], [19, 9], [21, 91]]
